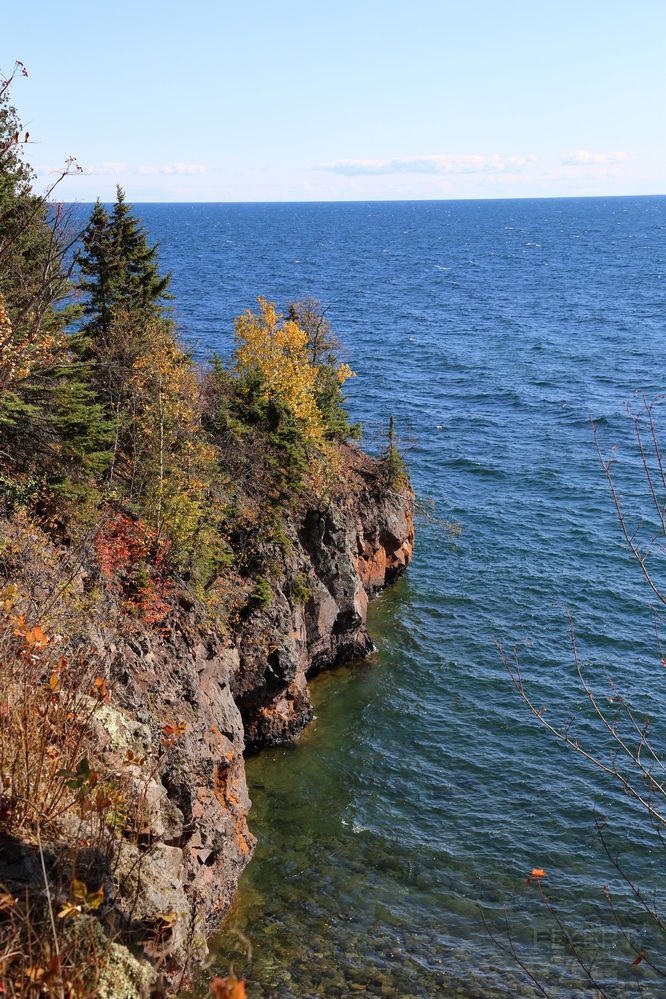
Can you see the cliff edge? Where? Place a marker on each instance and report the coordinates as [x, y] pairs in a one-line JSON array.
[[340, 552], [250, 688], [186, 698]]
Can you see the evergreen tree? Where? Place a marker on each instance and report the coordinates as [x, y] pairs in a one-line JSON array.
[[33, 280], [125, 294], [16, 200], [99, 270], [119, 271], [139, 288], [52, 427]]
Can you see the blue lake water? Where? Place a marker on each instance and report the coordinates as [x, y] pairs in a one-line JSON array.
[[425, 792]]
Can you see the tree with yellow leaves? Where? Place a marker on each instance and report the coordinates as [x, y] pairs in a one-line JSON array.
[[278, 351]]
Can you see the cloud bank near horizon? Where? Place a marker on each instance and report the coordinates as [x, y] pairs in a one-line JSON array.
[[583, 157], [113, 169], [438, 163], [463, 164]]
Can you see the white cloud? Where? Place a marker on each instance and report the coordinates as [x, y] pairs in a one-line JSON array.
[[106, 169], [583, 157], [45, 171], [181, 169], [452, 163]]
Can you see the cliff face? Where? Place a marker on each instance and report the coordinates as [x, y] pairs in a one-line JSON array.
[[188, 699], [252, 689], [340, 553]]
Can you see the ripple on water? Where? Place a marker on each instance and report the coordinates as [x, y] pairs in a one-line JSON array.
[[423, 790]]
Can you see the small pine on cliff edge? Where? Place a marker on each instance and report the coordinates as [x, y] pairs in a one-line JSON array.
[[180, 549]]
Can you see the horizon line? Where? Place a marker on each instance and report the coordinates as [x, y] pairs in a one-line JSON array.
[[378, 201]]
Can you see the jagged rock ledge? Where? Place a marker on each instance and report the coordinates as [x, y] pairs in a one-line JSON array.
[[252, 690], [341, 552], [227, 692]]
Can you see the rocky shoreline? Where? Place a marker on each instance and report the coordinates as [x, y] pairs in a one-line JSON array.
[[181, 547], [252, 691], [223, 693]]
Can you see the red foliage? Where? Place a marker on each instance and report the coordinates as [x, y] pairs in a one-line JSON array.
[[134, 561]]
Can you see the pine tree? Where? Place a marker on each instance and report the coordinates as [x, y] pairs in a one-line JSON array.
[[99, 270], [82, 427], [52, 427], [139, 287], [119, 271], [32, 277]]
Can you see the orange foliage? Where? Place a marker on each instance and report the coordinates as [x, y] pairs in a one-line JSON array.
[[23, 353], [228, 988]]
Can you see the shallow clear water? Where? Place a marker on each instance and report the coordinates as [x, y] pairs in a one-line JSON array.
[[424, 790]]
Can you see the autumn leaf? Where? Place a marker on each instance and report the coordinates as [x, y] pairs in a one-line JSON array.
[[100, 687], [641, 957], [79, 890], [228, 988], [95, 898], [165, 920], [535, 875], [35, 636], [69, 909]]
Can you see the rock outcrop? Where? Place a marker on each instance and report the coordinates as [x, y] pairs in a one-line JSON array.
[[251, 688], [190, 698], [340, 553]]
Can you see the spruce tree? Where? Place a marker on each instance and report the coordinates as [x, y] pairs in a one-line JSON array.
[[119, 270], [139, 288], [83, 427], [16, 201], [32, 277], [52, 427], [98, 267]]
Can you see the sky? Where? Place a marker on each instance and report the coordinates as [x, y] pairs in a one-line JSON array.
[[287, 100]]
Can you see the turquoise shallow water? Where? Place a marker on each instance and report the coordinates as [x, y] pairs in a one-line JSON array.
[[424, 792]]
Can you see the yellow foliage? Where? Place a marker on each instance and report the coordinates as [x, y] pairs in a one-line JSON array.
[[277, 349], [22, 352], [181, 463], [344, 373]]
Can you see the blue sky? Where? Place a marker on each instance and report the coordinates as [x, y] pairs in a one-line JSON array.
[[211, 100]]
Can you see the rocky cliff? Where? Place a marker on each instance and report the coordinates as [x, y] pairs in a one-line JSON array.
[[340, 552], [188, 699], [251, 689]]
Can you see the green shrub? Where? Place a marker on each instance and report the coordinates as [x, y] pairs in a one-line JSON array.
[[260, 597], [300, 589]]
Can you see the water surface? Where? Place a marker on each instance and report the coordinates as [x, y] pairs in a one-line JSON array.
[[424, 791]]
